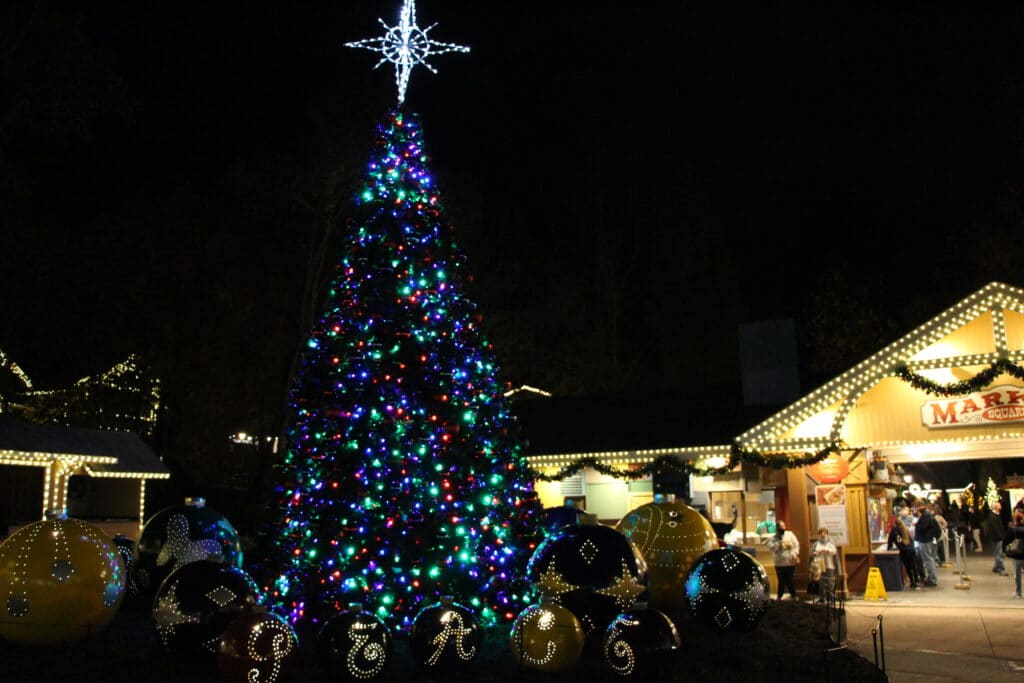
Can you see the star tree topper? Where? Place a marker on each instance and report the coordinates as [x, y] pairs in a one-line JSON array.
[[406, 45]]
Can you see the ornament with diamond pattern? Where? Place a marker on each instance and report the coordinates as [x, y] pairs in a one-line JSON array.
[[642, 644], [354, 645], [728, 589], [547, 637], [60, 580], [196, 603], [594, 571], [181, 534], [445, 636]]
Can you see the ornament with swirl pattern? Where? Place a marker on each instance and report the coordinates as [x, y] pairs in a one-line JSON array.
[[641, 644], [354, 645], [445, 636], [258, 646], [547, 637]]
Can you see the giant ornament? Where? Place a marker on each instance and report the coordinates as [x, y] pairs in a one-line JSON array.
[[445, 637], [641, 644], [196, 603], [547, 637], [180, 534], [593, 570], [60, 579], [354, 645], [728, 589], [258, 646], [670, 536]]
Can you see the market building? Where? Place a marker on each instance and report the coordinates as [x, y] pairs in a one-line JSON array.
[[951, 389]]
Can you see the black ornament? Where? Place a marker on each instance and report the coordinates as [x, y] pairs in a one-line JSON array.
[[594, 571], [126, 548], [354, 646], [196, 603], [445, 637], [728, 589], [181, 534], [258, 646], [641, 643]]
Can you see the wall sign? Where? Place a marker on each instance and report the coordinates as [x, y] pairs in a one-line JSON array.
[[997, 405]]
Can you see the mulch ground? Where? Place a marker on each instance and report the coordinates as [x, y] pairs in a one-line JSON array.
[[789, 644]]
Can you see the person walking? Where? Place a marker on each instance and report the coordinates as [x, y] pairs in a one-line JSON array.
[[926, 532], [785, 549], [823, 553], [994, 533], [1013, 543], [899, 539]]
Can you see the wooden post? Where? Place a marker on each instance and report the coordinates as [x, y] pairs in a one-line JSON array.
[[799, 521]]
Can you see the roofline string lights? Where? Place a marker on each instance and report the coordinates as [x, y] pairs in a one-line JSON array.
[[763, 445]]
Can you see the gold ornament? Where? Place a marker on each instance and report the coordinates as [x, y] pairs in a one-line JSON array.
[[547, 637], [60, 580], [671, 537]]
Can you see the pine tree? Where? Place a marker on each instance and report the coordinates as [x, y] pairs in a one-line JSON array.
[[403, 479]]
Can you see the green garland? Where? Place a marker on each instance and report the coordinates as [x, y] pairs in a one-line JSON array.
[[967, 386], [666, 463]]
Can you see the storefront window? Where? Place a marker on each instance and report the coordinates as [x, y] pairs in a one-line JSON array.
[[751, 515]]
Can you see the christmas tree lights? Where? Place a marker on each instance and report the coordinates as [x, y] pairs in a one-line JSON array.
[[403, 479]]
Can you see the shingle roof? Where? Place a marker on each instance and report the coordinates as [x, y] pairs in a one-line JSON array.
[[132, 453]]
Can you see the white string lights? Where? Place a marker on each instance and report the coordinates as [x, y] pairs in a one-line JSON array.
[[406, 45]]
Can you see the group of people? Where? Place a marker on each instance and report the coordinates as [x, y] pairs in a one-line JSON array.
[[822, 567], [915, 534]]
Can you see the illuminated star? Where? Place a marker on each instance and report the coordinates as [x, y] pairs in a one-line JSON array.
[[551, 584], [406, 45], [168, 615], [625, 589]]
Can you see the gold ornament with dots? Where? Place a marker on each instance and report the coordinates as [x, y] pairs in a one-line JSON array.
[[671, 536], [60, 580], [547, 637]]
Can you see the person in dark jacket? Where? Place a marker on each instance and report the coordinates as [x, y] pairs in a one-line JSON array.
[[926, 532], [994, 532], [899, 539], [1015, 532]]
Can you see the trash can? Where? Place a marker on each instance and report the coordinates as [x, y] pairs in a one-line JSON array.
[[891, 569]]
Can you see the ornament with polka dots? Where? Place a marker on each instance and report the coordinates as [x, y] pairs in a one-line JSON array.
[[61, 580]]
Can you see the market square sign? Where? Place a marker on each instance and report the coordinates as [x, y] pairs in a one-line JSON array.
[[997, 405]]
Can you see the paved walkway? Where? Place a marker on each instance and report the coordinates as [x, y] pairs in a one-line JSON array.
[[945, 633]]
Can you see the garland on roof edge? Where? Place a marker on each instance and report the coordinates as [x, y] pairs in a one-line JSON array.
[[966, 386], [666, 463]]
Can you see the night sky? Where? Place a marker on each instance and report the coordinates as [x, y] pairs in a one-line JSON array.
[[630, 184]]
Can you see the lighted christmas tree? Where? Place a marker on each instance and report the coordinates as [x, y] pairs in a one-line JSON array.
[[403, 478], [991, 492]]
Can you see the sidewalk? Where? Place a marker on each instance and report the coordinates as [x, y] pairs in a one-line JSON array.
[[945, 633]]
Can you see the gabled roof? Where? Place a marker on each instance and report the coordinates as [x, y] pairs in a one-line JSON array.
[[842, 392], [102, 453]]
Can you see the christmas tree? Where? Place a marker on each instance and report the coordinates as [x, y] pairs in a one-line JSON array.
[[403, 479], [991, 492]]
